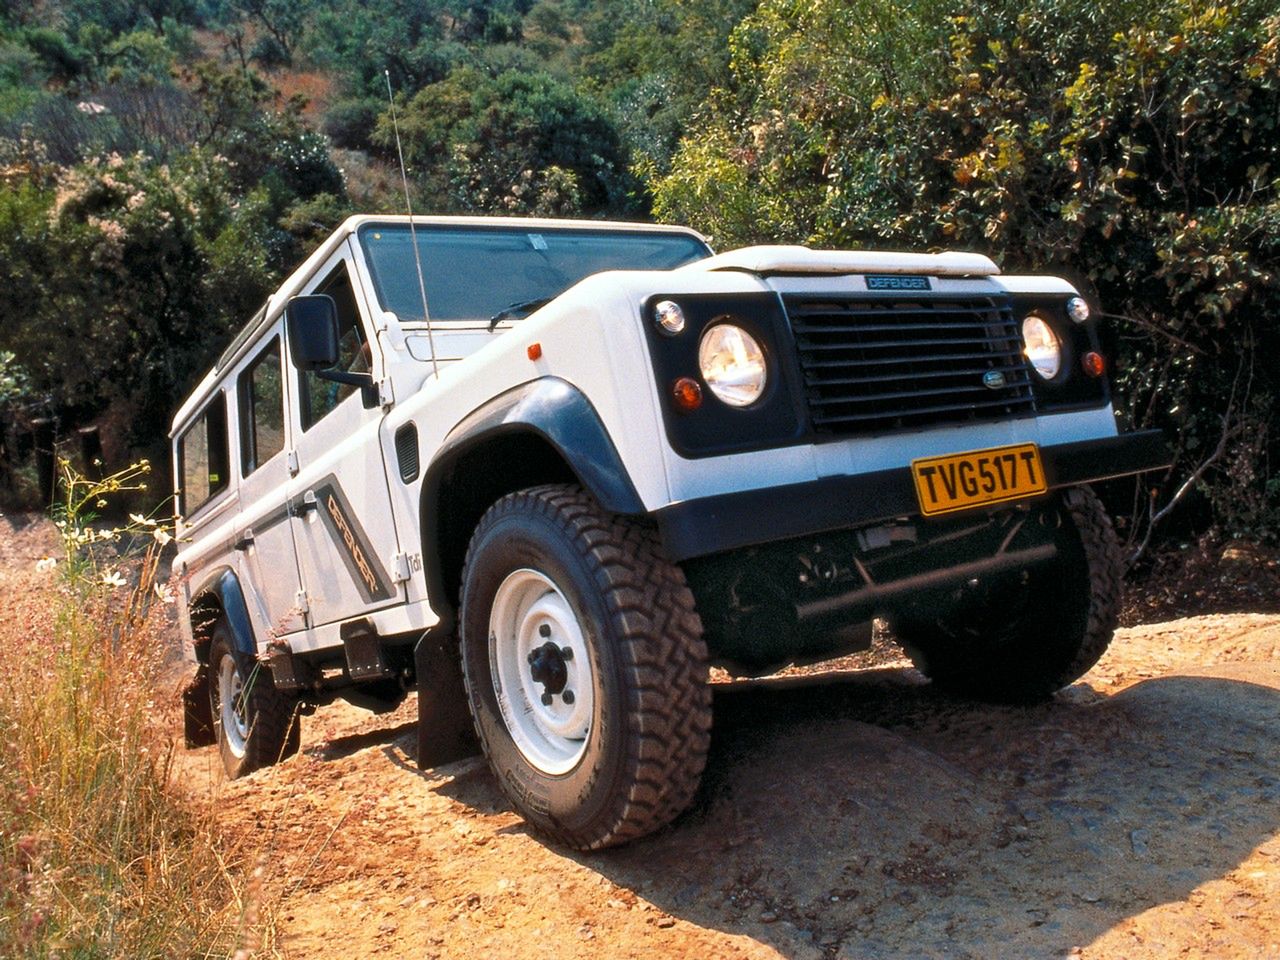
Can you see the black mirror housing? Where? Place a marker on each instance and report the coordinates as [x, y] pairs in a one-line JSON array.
[[313, 331]]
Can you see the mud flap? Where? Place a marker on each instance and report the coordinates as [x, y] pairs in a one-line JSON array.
[[197, 714], [445, 732]]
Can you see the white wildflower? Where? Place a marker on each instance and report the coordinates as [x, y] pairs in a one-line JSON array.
[[162, 536], [112, 578], [142, 521], [46, 564], [164, 592]]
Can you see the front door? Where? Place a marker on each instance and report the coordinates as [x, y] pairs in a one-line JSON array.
[[339, 500]]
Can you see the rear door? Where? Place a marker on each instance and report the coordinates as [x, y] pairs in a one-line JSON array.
[[266, 540], [341, 504]]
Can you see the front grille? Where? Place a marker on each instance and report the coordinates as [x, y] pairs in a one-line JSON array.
[[881, 365]]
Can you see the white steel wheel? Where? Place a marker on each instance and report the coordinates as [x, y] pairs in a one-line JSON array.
[[541, 669], [232, 712]]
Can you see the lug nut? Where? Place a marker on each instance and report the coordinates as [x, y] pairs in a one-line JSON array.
[[566, 653], [544, 630], [546, 699], [533, 655], [567, 695]]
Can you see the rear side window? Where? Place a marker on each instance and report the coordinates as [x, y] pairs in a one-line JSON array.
[[204, 458], [261, 409]]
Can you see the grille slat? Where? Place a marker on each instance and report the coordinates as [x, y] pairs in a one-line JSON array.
[[940, 408], [1019, 372], [930, 350]]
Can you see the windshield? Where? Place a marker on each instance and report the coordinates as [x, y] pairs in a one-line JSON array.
[[475, 272]]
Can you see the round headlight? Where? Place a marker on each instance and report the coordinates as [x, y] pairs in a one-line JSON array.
[[1077, 309], [669, 316], [733, 364], [1041, 346]]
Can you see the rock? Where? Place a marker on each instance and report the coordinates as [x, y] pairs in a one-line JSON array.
[[1138, 840], [768, 917]]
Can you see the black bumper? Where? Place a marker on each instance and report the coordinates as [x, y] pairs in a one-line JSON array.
[[698, 528]]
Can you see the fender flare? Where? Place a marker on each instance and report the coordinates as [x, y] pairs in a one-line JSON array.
[[557, 413], [225, 586]]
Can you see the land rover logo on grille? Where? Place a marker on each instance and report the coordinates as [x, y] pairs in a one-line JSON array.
[[993, 379], [898, 283]]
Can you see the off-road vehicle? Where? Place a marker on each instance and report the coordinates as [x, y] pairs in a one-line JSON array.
[[547, 472]]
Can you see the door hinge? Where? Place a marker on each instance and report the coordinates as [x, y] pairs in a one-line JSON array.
[[386, 396], [292, 459], [404, 566]]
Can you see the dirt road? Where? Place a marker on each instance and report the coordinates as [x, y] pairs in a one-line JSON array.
[[1136, 815]]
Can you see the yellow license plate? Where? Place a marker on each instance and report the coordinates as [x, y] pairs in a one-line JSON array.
[[979, 477]]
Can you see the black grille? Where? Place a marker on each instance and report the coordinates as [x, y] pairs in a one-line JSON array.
[[877, 365]]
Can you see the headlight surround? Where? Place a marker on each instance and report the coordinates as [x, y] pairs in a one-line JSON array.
[[733, 364], [1041, 346]]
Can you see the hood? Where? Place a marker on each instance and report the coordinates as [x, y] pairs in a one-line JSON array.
[[802, 260]]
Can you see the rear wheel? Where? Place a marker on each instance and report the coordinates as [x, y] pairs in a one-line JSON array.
[[584, 667], [1019, 638], [254, 723]]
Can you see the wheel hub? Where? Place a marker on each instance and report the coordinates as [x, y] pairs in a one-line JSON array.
[[547, 667]]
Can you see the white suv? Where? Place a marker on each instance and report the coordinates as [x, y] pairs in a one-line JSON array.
[[546, 472]]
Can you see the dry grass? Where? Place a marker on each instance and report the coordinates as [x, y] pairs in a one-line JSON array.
[[101, 853]]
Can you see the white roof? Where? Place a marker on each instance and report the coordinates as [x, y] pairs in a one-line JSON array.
[[797, 259]]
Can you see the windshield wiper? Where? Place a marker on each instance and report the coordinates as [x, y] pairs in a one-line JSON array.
[[517, 309]]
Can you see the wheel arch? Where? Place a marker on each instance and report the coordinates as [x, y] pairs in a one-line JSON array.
[[221, 598], [545, 431]]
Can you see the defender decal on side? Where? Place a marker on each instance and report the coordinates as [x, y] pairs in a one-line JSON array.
[[354, 547]]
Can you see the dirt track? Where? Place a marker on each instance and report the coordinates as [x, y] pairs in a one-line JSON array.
[[1137, 815]]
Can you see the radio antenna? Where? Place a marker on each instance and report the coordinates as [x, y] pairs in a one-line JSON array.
[[413, 233]]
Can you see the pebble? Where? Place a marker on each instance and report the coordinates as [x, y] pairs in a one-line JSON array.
[[768, 917], [666, 922]]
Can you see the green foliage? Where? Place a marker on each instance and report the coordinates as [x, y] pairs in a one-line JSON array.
[[1135, 146], [514, 143]]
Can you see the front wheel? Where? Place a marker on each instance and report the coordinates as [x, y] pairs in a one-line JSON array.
[[255, 725], [584, 667], [1017, 639]]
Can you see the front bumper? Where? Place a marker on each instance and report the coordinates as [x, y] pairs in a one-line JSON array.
[[701, 527]]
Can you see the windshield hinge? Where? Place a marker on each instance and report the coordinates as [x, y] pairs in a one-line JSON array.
[[292, 459], [386, 397], [301, 602]]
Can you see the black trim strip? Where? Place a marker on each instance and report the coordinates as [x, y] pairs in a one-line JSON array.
[[697, 528]]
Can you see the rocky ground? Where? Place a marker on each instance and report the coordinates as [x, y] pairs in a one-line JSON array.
[[848, 814]]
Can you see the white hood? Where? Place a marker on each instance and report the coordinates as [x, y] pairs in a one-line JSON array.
[[797, 259]]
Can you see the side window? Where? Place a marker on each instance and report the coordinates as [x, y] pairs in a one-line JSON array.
[[319, 397], [204, 458], [261, 409]]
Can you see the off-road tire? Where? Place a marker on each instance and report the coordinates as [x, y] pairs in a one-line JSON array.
[[645, 751], [1032, 638], [272, 717]]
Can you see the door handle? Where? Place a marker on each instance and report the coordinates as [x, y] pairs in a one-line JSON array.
[[245, 541], [304, 506]]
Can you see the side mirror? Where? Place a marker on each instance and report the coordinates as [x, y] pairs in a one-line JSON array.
[[313, 331]]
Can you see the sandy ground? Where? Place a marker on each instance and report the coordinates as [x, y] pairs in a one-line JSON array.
[[855, 814]]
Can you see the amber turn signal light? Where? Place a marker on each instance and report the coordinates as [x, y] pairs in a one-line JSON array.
[[1093, 364], [687, 394], [535, 351]]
